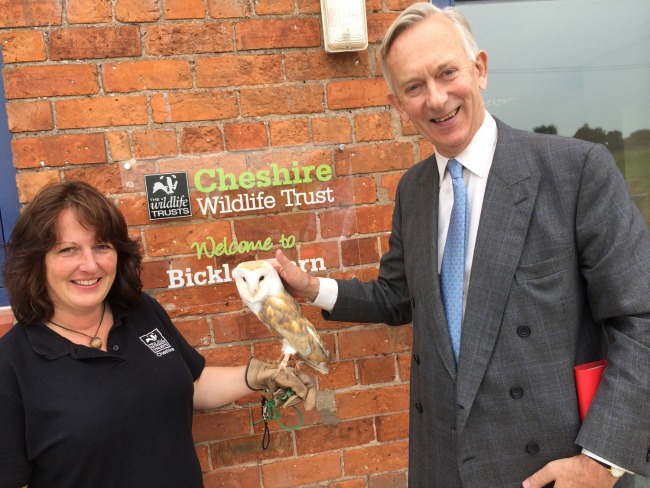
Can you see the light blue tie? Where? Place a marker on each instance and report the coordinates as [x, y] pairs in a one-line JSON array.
[[453, 259]]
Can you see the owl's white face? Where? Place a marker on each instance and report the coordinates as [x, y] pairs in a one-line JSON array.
[[255, 281]]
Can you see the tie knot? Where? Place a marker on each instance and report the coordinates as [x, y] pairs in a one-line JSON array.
[[455, 168]]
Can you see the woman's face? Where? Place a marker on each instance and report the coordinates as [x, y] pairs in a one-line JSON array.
[[79, 270]]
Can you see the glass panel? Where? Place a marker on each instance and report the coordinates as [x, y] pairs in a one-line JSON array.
[[577, 67]]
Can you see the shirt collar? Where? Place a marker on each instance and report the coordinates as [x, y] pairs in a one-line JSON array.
[[51, 345], [477, 156]]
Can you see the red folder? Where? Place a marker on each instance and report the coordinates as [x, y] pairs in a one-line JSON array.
[[587, 380]]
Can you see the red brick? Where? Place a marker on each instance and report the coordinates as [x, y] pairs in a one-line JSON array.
[[22, 46], [379, 23], [195, 331], [89, 11], [376, 370], [246, 135], [154, 273], [373, 127], [376, 459], [189, 106], [58, 150], [132, 174], [393, 427], [50, 81], [201, 139], [338, 223], [390, 183], [95, 42], [331, 130], [375, 158], [281, 100], [389, 480], [118, 142], [29, 184], [300, 471], [309, 6], [374, 219], [29, 116], [147, 75], [349, 483], [101, 112], [370, 92], [425, 149], [323, 438], [137, 10], [320, 65], [233, 478], [221, 425], [154, 143], [328, 251], [238, 327], [228, 356], [183, 9], [220, 9], [359, 251], [239, 70], [371, 341], [301, 226], [375, 401], [341, 375], [404, 363], [248, 449], [29, 13], [198, 300], [106, 179], [293, 132], [192, 38], [181, 239], [277, 33], [269, 7]]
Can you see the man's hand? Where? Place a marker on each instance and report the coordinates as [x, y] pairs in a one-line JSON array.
[[575, 472], [298, 283]]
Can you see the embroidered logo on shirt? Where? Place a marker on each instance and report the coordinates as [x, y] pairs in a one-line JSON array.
[[155, 341]]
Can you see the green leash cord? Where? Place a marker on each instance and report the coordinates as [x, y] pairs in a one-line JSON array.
[[270, 411]]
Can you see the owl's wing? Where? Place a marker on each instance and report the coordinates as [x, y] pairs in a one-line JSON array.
[[283, 316]]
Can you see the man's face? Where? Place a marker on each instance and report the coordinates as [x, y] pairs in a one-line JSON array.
[[437, 87]]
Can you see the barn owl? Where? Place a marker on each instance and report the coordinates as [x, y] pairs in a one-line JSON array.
[[262, 291]]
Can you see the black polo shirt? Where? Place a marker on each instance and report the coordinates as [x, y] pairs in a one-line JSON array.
[[72, 416]]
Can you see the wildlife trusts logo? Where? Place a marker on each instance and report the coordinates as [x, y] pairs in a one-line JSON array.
[[168, 196], [155, 341]]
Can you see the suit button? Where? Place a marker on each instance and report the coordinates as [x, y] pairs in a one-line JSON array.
[[516, 392], [416, 358], [412, 302], [418, 407], [532, 448], [523, 331]]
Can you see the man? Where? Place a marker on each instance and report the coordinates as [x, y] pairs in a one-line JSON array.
[[556, 273]]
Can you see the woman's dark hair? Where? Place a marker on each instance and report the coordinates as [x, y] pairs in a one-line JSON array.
[[36, 233]]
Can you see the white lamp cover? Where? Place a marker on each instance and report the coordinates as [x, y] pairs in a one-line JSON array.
[[344, 25]]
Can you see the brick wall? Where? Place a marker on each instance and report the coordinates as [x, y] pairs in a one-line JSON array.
[[107, 91]]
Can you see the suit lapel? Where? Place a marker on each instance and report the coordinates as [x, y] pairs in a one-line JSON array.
[[430, 185], [509, 199]]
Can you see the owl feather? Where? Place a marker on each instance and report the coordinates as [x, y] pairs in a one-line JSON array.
[[262, 291]]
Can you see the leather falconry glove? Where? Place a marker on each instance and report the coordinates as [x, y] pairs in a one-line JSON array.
[[264, 376]]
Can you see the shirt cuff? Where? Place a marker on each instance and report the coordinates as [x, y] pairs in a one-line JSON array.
[[598, 458], [327, 294]]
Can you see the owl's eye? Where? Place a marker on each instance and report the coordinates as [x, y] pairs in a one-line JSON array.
[[244, 278], [261, 278]]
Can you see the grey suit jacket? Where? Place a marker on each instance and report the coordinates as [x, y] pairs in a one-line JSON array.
[[560, 276]]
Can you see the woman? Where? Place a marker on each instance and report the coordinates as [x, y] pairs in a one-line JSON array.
[[97, 386]]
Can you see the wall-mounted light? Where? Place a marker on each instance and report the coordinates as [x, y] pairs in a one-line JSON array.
[[344, 25]]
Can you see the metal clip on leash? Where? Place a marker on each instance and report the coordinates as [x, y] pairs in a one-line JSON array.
[[266, 437]]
